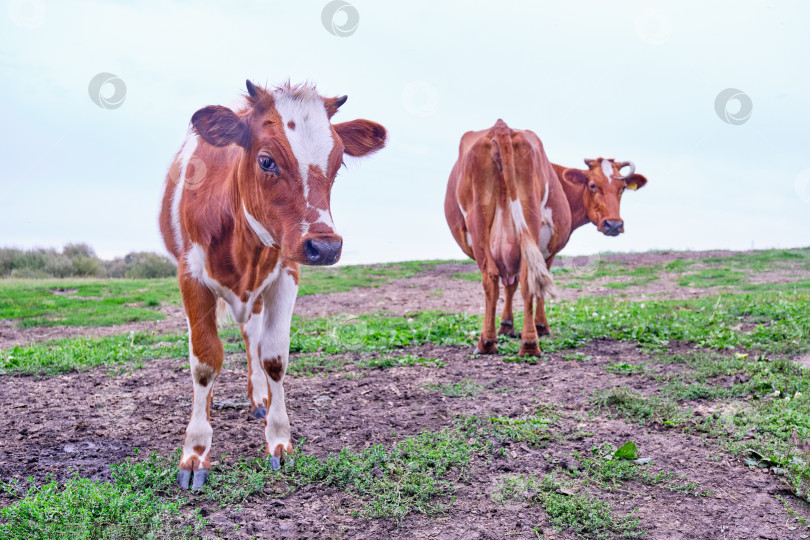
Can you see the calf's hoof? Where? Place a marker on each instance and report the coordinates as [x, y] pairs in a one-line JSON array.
[[259, 412], [529, 348], [542, 330], [281, 454], [486, 346], [195, 478]]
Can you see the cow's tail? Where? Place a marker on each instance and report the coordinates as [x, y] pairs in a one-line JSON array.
[[223, 314], [532, 262]]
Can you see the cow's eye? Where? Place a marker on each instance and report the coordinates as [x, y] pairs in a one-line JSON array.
[[268, 164], [593, 187]]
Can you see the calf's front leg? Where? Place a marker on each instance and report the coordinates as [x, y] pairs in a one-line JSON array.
[[205, 359], [273, 353]]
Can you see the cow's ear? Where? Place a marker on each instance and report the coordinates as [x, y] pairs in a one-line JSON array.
[[361, 137], [220, 126], [635, 182], [575, 176]]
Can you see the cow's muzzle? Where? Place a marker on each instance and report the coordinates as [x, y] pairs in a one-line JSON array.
[[613, 227], [323, 250]]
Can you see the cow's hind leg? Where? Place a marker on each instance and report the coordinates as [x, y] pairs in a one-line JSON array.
[[205, 359], [488, 343], [507, 327], [540, 320], [528, 336], [273, 355], [257, 381]]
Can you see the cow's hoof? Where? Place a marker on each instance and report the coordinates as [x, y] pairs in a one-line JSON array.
[[507, 330], [259, 412], [275, 462], [529, 348], [183, 478], [486, 346], [542, 330], [200, 476]]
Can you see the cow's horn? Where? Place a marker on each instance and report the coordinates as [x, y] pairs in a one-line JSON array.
[[622, 165], [589, 162]]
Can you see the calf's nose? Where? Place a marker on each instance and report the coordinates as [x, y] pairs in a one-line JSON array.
[[322, 251]]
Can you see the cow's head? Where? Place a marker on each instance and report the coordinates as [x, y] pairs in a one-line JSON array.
[[291, 155], [604, 185]]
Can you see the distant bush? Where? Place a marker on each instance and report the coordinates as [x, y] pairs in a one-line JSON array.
[[80, 260], [141, 265]]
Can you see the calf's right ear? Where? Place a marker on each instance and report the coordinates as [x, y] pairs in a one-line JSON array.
[[219, 126]]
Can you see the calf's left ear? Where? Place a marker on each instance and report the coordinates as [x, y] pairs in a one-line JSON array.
[[219, 126], [361, 137], [636, 181]]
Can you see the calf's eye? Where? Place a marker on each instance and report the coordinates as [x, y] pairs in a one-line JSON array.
[[268, 164]]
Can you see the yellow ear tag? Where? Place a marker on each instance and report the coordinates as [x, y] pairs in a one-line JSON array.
[[632, 186]]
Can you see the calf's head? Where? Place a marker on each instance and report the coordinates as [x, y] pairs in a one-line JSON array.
[[291, 153], [603, 188]]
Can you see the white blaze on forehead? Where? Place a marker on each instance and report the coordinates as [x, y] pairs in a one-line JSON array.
[[607, 169], [310, 137]]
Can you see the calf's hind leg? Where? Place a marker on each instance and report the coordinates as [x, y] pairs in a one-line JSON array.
[[205, 359], [257, 390]]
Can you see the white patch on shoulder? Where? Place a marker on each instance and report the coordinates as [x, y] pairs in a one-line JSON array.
[[196, 263], [547, 226], [311, 138], [517, 215], [186, 152], [263, 234], [607, 170]]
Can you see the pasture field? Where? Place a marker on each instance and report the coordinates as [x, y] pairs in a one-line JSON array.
[[672, 401]]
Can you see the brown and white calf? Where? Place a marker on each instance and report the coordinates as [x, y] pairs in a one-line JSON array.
[[247, 199], [512, 210]]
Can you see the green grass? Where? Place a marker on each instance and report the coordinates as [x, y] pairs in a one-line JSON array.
[[609, 472], [634, 406], [85, 302], [713, 277], [764, 260], [321, 280], [567, 509], [778, 323], [82, 508], [388, 361], [109, 302], [462, 389], [76, 354]]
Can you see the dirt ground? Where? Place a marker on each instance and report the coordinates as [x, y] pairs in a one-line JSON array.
[[83, 422]]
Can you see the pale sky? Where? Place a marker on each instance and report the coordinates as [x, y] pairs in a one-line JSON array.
[[631, 80]]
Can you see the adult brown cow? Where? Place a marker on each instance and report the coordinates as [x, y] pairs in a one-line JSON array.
[[247, 199], [512, 211]]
